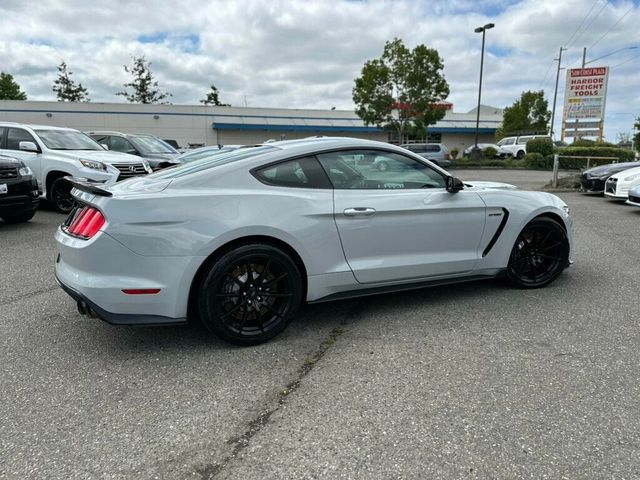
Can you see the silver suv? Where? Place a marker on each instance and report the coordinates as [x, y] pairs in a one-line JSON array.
[[438, 153], [157, 152], [53, 153]]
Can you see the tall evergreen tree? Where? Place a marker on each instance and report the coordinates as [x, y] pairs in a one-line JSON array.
[[145, 88], [529, 114], [66, 89], [9, 88]]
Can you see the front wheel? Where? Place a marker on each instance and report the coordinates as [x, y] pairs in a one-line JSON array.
[[250, 294], [539, 255], [520, 154], [60, 195]]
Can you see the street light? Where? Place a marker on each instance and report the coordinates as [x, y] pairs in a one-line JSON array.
[[476, 151], [584, 55]]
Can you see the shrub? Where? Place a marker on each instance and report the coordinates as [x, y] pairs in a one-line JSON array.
[[490, 152], [454, 153], [543, 146], [618, 154], [585, 142], [537, 161]]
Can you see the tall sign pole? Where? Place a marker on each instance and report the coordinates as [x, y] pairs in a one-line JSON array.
[[584, 102], [555, 95]]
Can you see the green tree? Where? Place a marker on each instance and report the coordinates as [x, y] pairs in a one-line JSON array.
[[636, 137], [400, 91], [145, 88], [529, 114], [66, 89], [9, 88], [213, 98]]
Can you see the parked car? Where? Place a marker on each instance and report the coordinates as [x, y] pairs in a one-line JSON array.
[[634, 196], [18, 191], [516, 146], [241, 239], [467, 151], [52, 153], [438, 153], [617, 185], [593, 180], [172, 143], [198, 153], [158, 153]]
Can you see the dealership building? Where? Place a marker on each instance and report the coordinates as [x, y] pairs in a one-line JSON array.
[[210, 125]]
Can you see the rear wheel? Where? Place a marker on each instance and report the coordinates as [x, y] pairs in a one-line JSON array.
[[250, 294], [60, 195], [539, 255]]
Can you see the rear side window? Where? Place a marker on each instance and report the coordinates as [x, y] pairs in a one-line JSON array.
[[523, 140], [299, 173], [2, 131], [17, 135]]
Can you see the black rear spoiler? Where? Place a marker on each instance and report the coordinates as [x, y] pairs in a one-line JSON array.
[[89, 187]]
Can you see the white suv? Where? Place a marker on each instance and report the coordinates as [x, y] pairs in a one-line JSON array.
[[53, 153], [516, 146]]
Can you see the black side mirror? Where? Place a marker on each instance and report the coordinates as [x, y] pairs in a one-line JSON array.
[[454, 184]]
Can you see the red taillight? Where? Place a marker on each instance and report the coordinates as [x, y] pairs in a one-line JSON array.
[[447, 156], [87, 223], [141, 291]]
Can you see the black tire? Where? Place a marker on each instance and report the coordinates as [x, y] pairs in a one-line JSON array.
[[60, 195], [382, 166], [19, 218], [540, 254], [520, 154], [244, 311]]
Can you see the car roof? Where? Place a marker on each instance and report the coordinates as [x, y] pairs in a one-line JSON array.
[[36, 126], [106, 132]]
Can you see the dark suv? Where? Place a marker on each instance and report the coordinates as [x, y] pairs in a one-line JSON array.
[[18, 191], [157, 152]]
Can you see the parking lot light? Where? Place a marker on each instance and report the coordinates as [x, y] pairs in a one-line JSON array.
[[475, 153]]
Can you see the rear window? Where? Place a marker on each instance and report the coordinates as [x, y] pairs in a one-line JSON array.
[[210, 162]]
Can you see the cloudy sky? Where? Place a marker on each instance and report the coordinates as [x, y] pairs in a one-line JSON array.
[[305, 54]]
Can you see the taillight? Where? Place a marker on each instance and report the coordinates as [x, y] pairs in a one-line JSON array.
[[86, 223], [447, 156]]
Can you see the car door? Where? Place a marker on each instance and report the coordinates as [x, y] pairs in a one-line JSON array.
[[401, 223], [33, 160]]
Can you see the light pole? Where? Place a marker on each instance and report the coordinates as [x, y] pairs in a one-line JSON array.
[[475, 154], [555, 94], [584, 55]]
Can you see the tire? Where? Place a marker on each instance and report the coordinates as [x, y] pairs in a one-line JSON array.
[[540, 254], [520, 154], [60, 195], [383, 166], [245, 312], [19, 218]]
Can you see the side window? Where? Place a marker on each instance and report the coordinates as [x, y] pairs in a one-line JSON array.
[[417, 148], [17, 135], [509, 141], [301, 173], [523, 140], [120, 144], [2, 132], [432, 148], [389, 170]]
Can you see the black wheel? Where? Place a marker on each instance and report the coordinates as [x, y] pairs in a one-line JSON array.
[[19, 218], [539, 255], [250, 294], [383, 166], [520, 154], [60, 195]]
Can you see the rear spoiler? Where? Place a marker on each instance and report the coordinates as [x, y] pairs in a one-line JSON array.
[[89, 187]]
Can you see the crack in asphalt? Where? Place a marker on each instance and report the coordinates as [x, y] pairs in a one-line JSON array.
[[28, 295], [242, 441]]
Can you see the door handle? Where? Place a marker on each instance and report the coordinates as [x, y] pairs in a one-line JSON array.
[[359, 212]]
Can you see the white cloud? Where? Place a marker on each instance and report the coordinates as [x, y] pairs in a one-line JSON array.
[[307, 53]]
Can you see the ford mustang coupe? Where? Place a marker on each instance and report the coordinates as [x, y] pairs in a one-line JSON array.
[[240, 240]]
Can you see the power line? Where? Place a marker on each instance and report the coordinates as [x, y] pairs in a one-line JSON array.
[[542, 83], [626, 61], [592, 20], [581, 23], [612, 27]]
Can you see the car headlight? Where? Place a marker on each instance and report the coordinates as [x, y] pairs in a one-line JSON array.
[[631, 178], [566, 209], [147, 167], [25, 171], [93, 164]]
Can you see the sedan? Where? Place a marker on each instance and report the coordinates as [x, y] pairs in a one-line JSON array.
[[634, 196], [593, 180], [241, 240], [617, 186]]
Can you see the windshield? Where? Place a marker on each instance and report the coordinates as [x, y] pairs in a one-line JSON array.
[[203, 153], [212, 161], [67, 140], [150, 145]]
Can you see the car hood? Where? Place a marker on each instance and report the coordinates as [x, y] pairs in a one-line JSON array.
[[10, 161], [607, 170], [162, 156], [626, 172], [103, 156], [479, 185]]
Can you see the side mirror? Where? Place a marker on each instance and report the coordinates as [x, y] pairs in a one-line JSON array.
[[454, 184], [28, 147], [105, 146]]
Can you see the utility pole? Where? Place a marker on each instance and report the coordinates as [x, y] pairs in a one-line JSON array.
[[555, 93], [584, 56]]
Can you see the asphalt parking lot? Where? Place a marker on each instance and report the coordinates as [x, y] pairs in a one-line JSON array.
[[469, 381]]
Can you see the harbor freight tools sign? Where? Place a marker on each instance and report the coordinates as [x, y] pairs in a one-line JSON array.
[[584, 99]]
